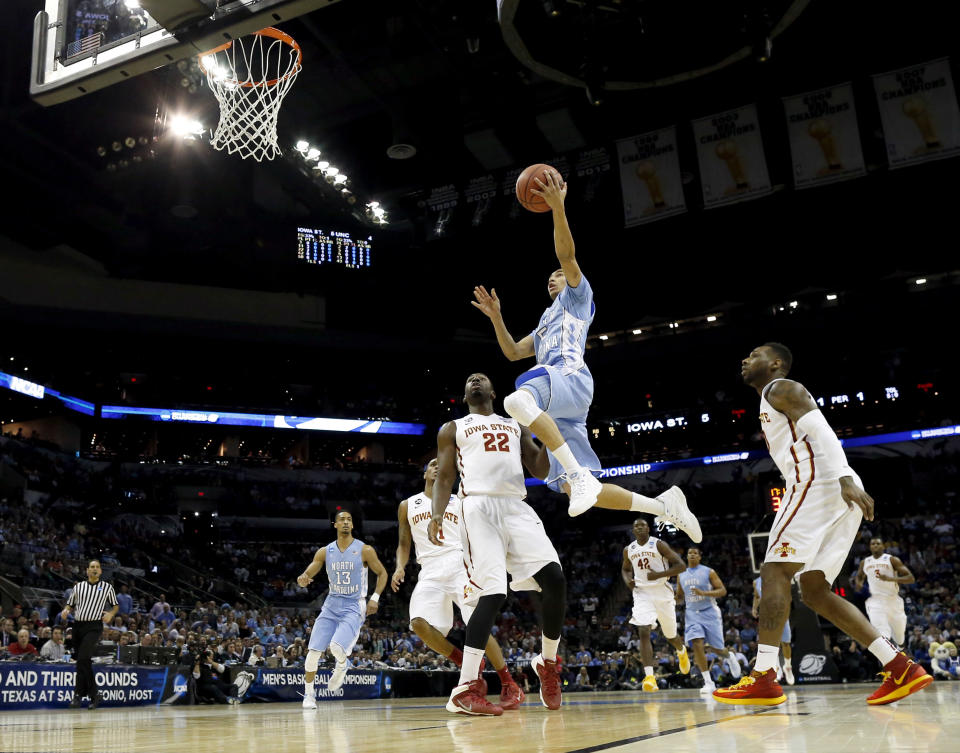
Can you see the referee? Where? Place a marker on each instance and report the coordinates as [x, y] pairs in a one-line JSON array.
[[89, 599]]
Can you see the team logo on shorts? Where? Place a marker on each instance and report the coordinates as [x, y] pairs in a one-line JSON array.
[[785, 550], [467, 591]]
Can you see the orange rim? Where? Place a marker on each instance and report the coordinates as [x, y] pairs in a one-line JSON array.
[[270, 31]]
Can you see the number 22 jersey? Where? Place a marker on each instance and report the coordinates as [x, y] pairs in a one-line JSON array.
[[488, 456]]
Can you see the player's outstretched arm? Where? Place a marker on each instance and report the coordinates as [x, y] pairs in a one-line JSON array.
[[554, 192], [533, 456], [316, 565], [791, 399], [489, 304], [403, 547], [446, 475], [371, 560]]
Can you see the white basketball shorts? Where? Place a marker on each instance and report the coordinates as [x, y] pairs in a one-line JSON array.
[[439, 587], [655, 605], [815, 527], [501, 535], [888, 616]]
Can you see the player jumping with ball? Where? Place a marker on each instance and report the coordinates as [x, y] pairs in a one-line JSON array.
[[553, 397]]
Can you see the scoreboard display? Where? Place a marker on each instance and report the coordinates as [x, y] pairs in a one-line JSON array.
[[333, 248], [776, 495]]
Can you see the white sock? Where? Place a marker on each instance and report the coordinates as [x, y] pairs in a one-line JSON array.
[[564, 456], [707, 679], [470, 669], [884, 650], [767, 657], [308, 687], [648, 671], [639, 503], [549, 648]]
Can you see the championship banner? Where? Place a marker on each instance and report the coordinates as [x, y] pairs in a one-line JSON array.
[[824, 138], [650, 177], [918, 109], [34, 685], [730, 152], [287, 685]]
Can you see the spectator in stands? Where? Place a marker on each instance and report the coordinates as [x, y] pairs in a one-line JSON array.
[[256, 658], [583, 680], [9, 634], [158, 606], [210, 684], [54, 649], [632, 676], [125, 600], [607, 680], [583, 656], [23, 646], [850, 662]]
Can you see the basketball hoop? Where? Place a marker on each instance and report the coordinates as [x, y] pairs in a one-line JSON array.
[[250, 87]]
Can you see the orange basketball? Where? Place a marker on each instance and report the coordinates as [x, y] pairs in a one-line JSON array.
[[525, 183]]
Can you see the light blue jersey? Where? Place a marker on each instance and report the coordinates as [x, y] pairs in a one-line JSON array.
[[561, 383], [697, 577], [344, 609]]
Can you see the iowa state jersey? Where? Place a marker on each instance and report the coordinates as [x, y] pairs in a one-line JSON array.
[[488, 456], [418, 516], [646, 558], [875, 566]]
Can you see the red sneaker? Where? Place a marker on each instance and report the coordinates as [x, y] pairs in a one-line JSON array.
[[549, 682], [901, 677], [755, 689], [469, 699], [511, 696]]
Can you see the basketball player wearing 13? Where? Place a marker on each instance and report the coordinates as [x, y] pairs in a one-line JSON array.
[[553, 397], [648, 565], [338, 624], [811, 535], [500, 533], [442, 582], [885, 573]]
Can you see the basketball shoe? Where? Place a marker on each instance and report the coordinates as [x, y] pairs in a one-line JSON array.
[[584, 490], [901, 677], [469, 699], [684, 658], [337, 676], [756, 689], [708, 687], [511, 696], [788, 672], [650, 684], [675, 511], [546, 670], [309, 701]]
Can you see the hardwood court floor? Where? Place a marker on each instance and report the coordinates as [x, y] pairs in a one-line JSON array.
[[831, 719]]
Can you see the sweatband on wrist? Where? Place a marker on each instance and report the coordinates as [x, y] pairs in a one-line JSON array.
[[374, 597]]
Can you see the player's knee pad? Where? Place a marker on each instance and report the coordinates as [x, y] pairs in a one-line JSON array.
[[550, 578], [521, 406], [338, 652], [312, 661]]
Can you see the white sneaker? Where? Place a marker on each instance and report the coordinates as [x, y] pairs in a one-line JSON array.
[[337, 676], [788, 673], [309, 702], [735, 669], [708, 689], [676, 511], [779, 673], [584, 490]]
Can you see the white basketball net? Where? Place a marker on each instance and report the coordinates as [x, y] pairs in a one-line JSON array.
[[250, 78]]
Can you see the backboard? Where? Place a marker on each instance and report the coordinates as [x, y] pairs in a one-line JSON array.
[[80, 46]]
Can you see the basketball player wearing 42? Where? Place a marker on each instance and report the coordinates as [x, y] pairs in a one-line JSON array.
[[500, 533], [885, 573], [811, 535], [442, 582], [648, 565], [345, 608], [553, 397]]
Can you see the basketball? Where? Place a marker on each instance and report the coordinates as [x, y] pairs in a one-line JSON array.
[[525, 183]]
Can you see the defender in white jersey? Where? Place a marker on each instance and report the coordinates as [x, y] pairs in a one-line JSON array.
[[648, 565], [442, 582], [885, 572], [500, 533], [811, 535], [554, 397]]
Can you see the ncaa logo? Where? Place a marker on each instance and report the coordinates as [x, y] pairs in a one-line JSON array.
[[179, 684], [387, 683], [812, 664]]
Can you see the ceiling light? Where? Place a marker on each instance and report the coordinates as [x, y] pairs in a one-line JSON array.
[[711, 318], [831, 296], [313, 153], [604, 337], [921, 281], [340, 179], [638, 331], [303, 146]]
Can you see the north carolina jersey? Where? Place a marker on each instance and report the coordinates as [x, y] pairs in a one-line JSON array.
[[488, 456], [697, 577], [346, 571], [646, 558], [561, 336], [796, 456], [875, 566], [419, 511]]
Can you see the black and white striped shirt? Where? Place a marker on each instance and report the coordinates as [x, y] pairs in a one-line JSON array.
[[89, 600]]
